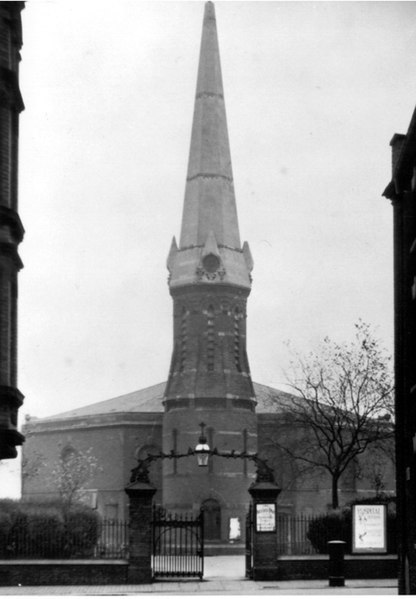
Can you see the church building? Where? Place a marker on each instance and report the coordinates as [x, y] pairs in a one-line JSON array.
[[209, 380]]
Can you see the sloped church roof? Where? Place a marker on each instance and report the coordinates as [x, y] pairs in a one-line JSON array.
[[149, 400]]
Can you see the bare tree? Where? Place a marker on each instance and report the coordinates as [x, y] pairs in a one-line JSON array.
[[71, 472], [32, 465], [343, 404], [379, 461]]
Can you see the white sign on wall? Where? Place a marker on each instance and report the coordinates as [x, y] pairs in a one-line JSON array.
[[265, 517], [369, 528]]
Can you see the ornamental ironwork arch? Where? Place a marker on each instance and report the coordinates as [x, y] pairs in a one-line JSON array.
[[264, 473]]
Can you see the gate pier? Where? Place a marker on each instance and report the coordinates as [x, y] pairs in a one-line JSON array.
[[261, 557], [140, 532]]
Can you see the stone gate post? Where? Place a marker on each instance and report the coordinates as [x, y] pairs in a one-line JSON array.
[[264, 496], [140, 532]]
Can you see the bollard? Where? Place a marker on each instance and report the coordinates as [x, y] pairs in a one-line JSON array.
[[336, 550]]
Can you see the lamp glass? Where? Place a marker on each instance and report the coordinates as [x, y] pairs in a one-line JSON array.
[[202, 454]]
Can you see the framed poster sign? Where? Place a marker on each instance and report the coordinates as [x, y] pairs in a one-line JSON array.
[[265, 517], [369, 528]]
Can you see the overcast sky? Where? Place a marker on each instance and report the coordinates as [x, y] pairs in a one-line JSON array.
[[314, 93]]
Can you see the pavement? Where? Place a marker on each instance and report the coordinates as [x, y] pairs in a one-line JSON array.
[[223, 575]]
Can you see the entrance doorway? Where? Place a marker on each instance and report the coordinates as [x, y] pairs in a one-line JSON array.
[[212, 519]]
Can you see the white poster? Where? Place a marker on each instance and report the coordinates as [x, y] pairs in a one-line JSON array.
[[369, 529], [265, 517]]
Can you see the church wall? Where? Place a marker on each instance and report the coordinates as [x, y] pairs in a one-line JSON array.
[[105, 446], [117, 448], [114, 447]]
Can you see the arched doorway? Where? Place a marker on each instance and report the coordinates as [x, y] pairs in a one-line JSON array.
[[212, 520]]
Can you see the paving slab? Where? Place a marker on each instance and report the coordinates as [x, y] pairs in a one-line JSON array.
[[215, 587]]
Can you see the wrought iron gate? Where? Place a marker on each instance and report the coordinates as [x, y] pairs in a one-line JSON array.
[[249, 542], [178, 545]]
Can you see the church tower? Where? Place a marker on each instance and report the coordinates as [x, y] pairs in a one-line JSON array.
[[209, 281]]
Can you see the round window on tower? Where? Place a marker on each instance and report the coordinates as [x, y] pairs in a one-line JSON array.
[[211, 262]]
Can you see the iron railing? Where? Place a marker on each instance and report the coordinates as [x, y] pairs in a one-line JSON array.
[[109, 540], [113, 542], [292, 531], [177, 541]]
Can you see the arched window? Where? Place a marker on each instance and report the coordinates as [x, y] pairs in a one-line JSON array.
[[68, 454], [212, 519]]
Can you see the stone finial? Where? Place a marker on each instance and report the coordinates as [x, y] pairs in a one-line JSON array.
[[172, 253]]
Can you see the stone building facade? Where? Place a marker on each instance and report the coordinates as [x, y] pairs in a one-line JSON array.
[[401, 190], [209, 379], [11, 229]]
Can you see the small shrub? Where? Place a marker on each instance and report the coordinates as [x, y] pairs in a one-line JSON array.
[[9, 506], [5, 526], [334, 526], [82, 532], [47, 530], [43, 535], [17, 533]]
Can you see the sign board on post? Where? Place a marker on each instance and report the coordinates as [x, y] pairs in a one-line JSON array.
[[369, 528], [265, 517]]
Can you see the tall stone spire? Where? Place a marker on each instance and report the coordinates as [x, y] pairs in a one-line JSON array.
[[210, 248], [209, 198], [209, 272]]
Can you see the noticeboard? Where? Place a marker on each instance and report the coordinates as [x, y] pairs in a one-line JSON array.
[[265, 517], [369, 528]]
